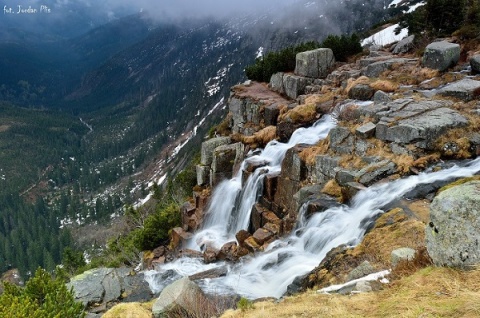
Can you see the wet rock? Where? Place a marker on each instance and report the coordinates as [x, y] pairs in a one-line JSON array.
[[251, 244], [361, 270], [304, 193], [404, 45], [452, 234], [297, 286], [210, 255], [276, 83], [361, 92], [465, 89], [270, 186], [134, 286], [182, 298], [262, 235], [321, 203], [366, 131], [293, 166], [475, 63], [256, 217], [376, 171], [209, 146], [241, 236], [294, 85], [350, 189], [315, 63], [228, 251], [274, 228], [401, 255], [178, 236], [441, 55], [285, 130], [270, 114], [211, 273]]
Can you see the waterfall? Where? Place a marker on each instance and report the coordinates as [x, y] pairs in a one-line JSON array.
[[230, 205], [269, 273]]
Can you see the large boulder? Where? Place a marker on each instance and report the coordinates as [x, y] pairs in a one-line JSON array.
[[453, 233], [183, 298], [96, 286], [316, 63], [404, 45], [441, 55]]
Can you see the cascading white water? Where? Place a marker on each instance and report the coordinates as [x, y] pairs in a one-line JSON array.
[[270, 273], [230, 206]]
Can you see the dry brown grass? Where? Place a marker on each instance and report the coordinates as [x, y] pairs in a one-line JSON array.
[[352, 162], [430, 292], [384, 85], [353, 82], [130, 310], [261, 137], [310, 154], [332, 188], [398, 232]]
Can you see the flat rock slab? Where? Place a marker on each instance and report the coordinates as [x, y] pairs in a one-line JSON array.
[[419, 122], [465, 89], [377, 68]]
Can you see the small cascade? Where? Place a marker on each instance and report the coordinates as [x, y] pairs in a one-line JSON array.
[[269, 273], [230, 205]]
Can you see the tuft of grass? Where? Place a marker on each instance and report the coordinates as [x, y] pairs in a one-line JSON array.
[[245, 304], [130, 310], [332, 188]]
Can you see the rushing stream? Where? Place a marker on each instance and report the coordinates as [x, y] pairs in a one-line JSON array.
[[269, 273]]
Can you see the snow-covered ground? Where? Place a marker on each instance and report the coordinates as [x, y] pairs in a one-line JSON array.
[[386, 36]]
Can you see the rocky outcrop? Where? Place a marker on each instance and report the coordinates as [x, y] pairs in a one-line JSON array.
[[316, 63], [407, 121], [465, 89], [294, 85], [100, 286], [225, 159], [183, 298], [452, 235], [441, 55], [377, 68]]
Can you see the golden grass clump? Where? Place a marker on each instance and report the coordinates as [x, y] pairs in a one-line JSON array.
[[332, 188], [310, 154], [261, 137], [354, 82], [130, 310], [384, 85]]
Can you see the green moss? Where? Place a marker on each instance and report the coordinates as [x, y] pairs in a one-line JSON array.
[[458, 182]]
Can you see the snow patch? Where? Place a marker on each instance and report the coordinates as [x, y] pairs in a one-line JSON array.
[[386, 36]]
